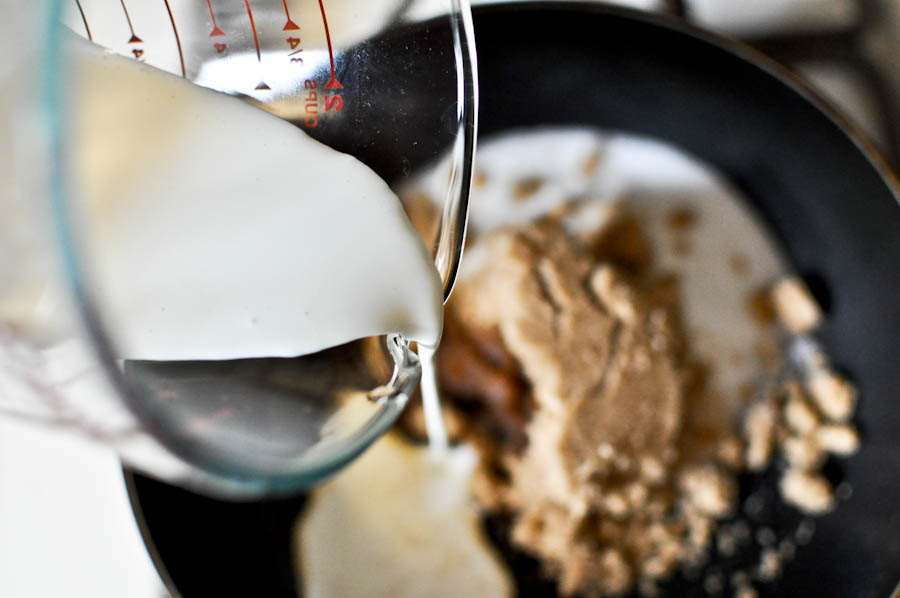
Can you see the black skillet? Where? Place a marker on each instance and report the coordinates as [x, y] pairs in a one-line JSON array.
[[830, 201]]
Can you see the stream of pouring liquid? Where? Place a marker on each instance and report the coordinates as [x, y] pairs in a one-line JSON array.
[[212, 230], [438, 444]]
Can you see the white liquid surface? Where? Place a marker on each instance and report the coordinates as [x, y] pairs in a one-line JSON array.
[[213, 230], [398, 523]]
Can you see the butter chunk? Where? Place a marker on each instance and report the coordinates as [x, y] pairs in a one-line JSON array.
[[759, 430]]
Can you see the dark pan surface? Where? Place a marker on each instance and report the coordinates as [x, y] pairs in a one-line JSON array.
[[829, 205]]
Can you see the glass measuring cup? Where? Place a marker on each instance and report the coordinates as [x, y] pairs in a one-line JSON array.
[[244, 427]]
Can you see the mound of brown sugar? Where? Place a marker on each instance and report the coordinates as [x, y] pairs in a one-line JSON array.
[[596, 440]]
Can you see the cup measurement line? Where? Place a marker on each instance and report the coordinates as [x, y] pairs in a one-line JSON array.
[[216, 32], [134, 38], [177, 39], [262, 84], [289, 25], [84, 20], [333, 83]]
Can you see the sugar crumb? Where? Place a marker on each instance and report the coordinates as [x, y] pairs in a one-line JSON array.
[[809, 492], [795, 307]]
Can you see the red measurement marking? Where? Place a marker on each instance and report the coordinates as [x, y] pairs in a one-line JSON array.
[[290, 25], [262, 84], [333, 83], [215, 31], [177, 38], [134, 39], [220, 48], [253, 29], [84, 20], [333, 103]]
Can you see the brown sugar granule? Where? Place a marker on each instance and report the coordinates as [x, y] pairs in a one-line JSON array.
[[621, 241], [797, 311], [759, 431], [681, 219], [803, 452], [739, 264], [809, 492], [770, 355], [730, 453], [799, 415], [760, 307], [746, 391], [525, 188], [708, 489], [589, 168], [834, 395], [682, 246], [838, 439]]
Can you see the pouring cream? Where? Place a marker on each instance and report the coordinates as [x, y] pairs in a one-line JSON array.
[[213, 230]]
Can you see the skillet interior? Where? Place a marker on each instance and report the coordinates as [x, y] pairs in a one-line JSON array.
[[826, 201]]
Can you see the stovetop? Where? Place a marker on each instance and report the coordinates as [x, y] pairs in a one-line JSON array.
[[848, 50]]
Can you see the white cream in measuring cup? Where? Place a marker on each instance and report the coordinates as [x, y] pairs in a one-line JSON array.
[[213, 230], [207, 229]]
